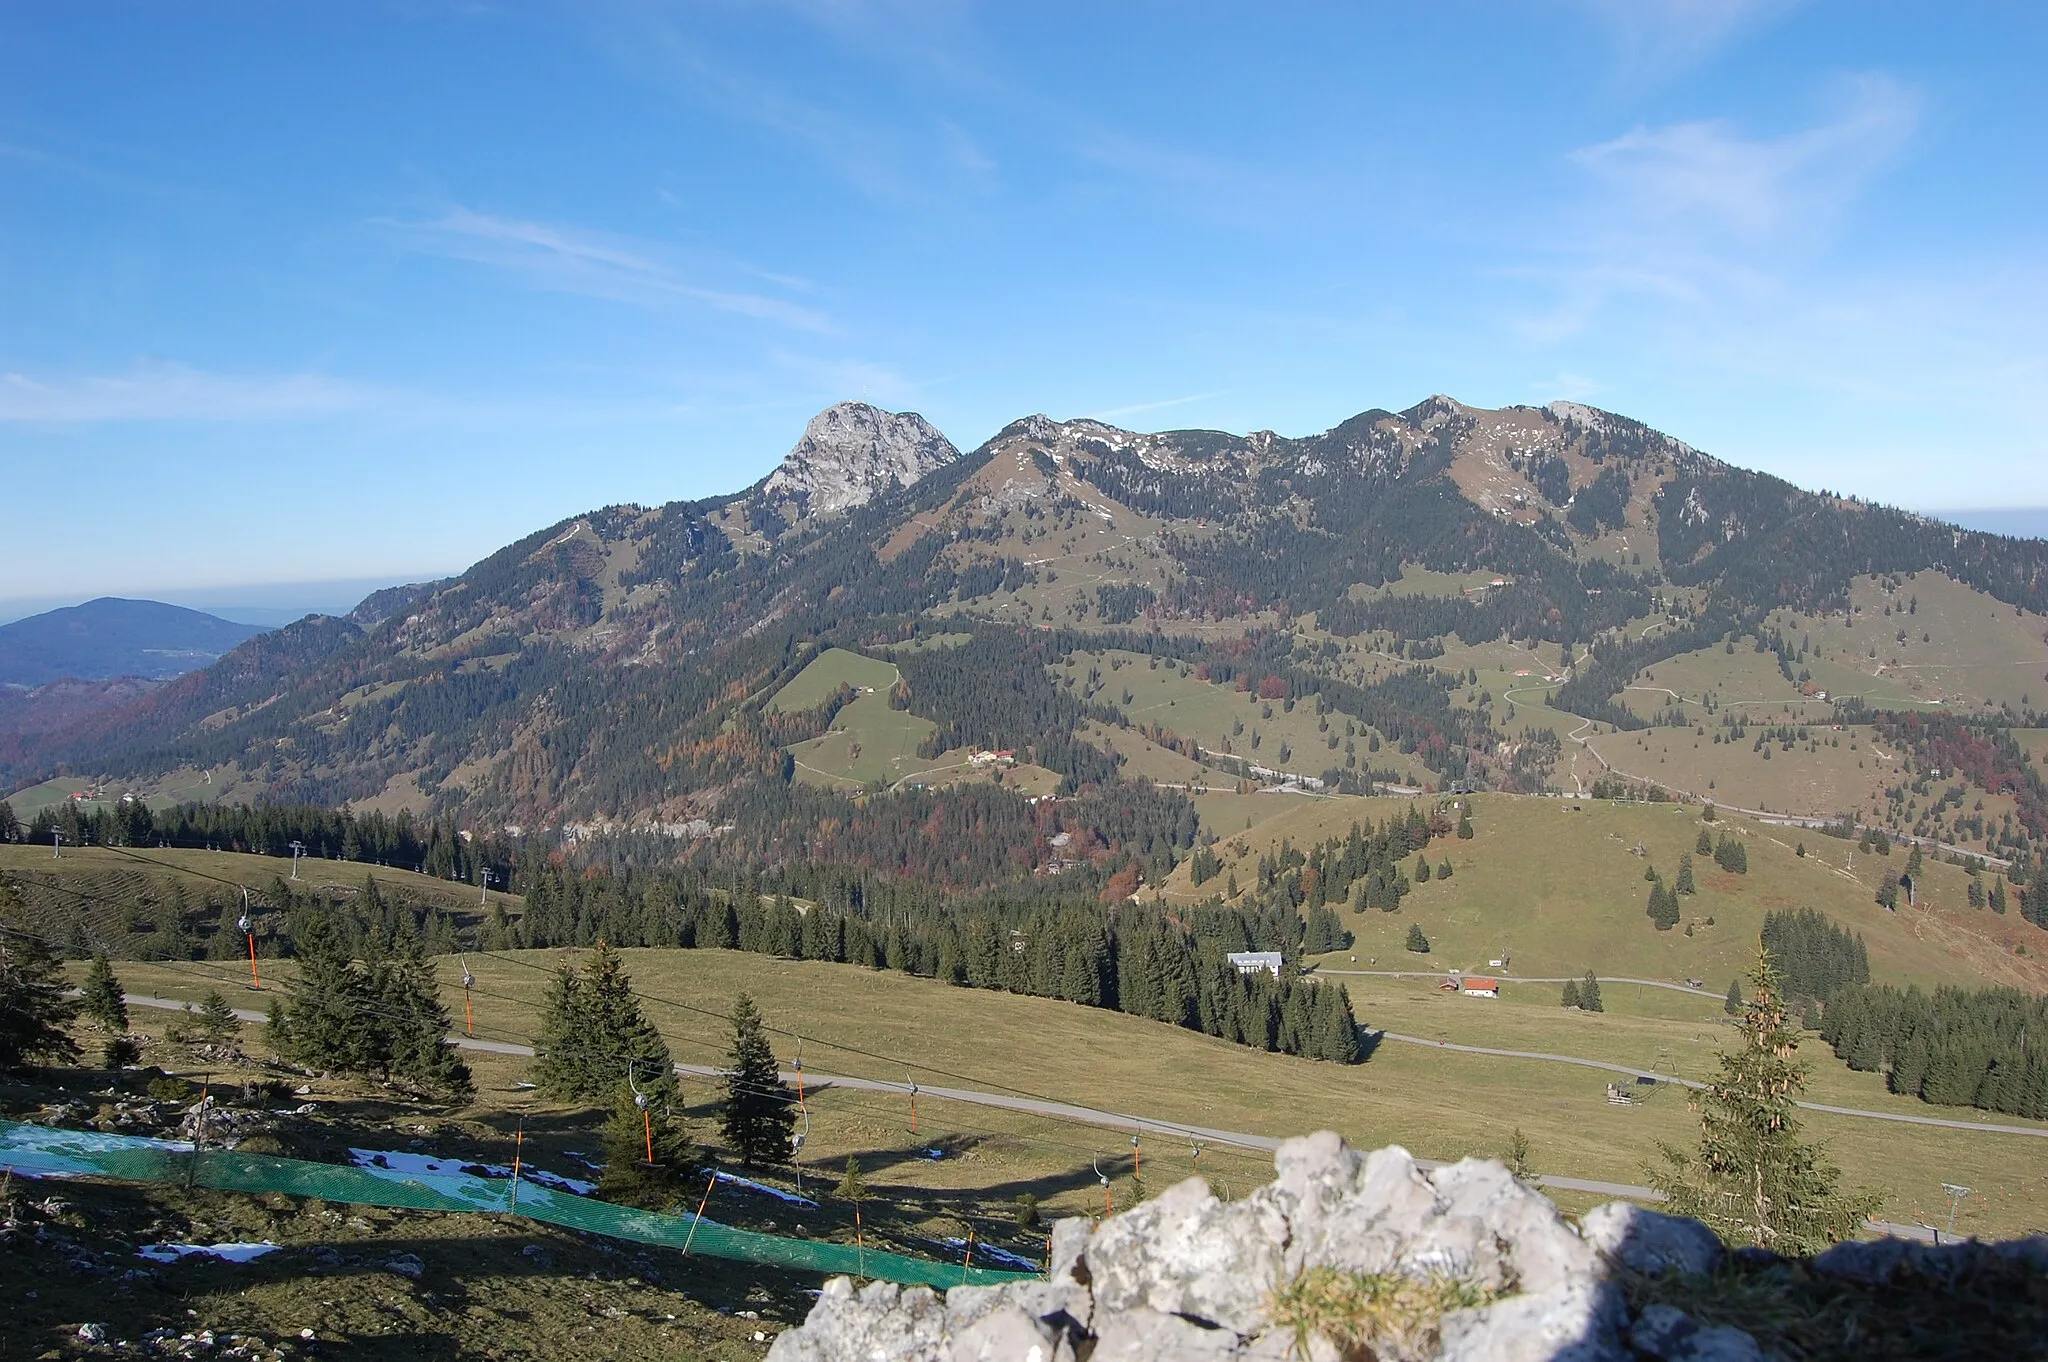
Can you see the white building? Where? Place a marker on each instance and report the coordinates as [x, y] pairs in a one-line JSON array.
[[1251, 962]]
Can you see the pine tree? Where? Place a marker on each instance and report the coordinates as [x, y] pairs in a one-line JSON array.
[[215, 1022], [759, 1109], [628, 1178], [1663, 909], [1571, 993], [1589, 993], [33, 1005], [1753, 1180], [1516, 1156], [1683, 884], [1417, 942], [592, 1031], [412, 1025], [852, 1187], [323, 1021], [102, 1000]]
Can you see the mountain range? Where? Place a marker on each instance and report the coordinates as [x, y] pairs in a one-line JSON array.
[[626, 667]]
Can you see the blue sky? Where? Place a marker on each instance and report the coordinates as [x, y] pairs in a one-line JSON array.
[[352, 290]]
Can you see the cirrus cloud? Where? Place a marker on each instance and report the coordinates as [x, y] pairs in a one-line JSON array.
[[161, 391]]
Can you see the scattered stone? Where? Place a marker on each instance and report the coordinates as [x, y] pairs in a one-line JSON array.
[[407, 1265], [92, 1333]]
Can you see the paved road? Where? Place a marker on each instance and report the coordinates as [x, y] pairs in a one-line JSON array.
[[818, 1082]]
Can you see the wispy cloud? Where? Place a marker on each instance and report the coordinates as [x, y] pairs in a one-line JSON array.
[[1703, 179], [1697, 214], [1653, 38], [574, 260], [1138, 408], [174, 392]]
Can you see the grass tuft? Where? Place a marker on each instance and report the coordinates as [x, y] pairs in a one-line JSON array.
[[1370, 1316]]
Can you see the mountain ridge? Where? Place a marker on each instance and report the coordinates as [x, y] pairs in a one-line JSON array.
[[614, 666]]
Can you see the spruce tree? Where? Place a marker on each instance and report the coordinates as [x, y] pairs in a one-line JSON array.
[[592, 1031], [1998, 895], [1443, 871], [1733, 1004], [1683, 884], [1422, 871], [323, 1022], [33, 1005], [1705, 845], [412, 1024], [760, 1110], [1465, 826], [852, 1186], [628, 1178], [1517, 1155], [1589, 993], [215, 1022], [1753, 1179], [102, 1001], [1417, 942], [1571, 993]]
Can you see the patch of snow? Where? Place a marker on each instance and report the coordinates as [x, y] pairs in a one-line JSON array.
[[230, 1252], [988, 1255], [791, 1197], [423, 1165]]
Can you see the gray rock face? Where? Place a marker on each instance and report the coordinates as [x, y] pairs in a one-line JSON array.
[[1648, 1242], [1876, 1262], [850, 451], [1671, 1335], [1188, 1276]]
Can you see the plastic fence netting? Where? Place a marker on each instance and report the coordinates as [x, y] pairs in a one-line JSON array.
[[44, 1152]]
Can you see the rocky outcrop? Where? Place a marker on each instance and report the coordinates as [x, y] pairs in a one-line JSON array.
[[1190, 1276], [849, 452]]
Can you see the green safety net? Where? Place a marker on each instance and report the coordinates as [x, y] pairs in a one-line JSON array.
[[45, 1152]]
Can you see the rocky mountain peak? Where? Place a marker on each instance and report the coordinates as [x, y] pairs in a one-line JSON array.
[[850, 451]]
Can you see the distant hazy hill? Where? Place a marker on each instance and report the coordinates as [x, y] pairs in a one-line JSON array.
[[114, 637]]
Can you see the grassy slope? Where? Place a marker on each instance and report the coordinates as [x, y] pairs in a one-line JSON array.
[[1207, 713], [1558, 889], [1438, 1103], [56, 887], [868, 740]]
